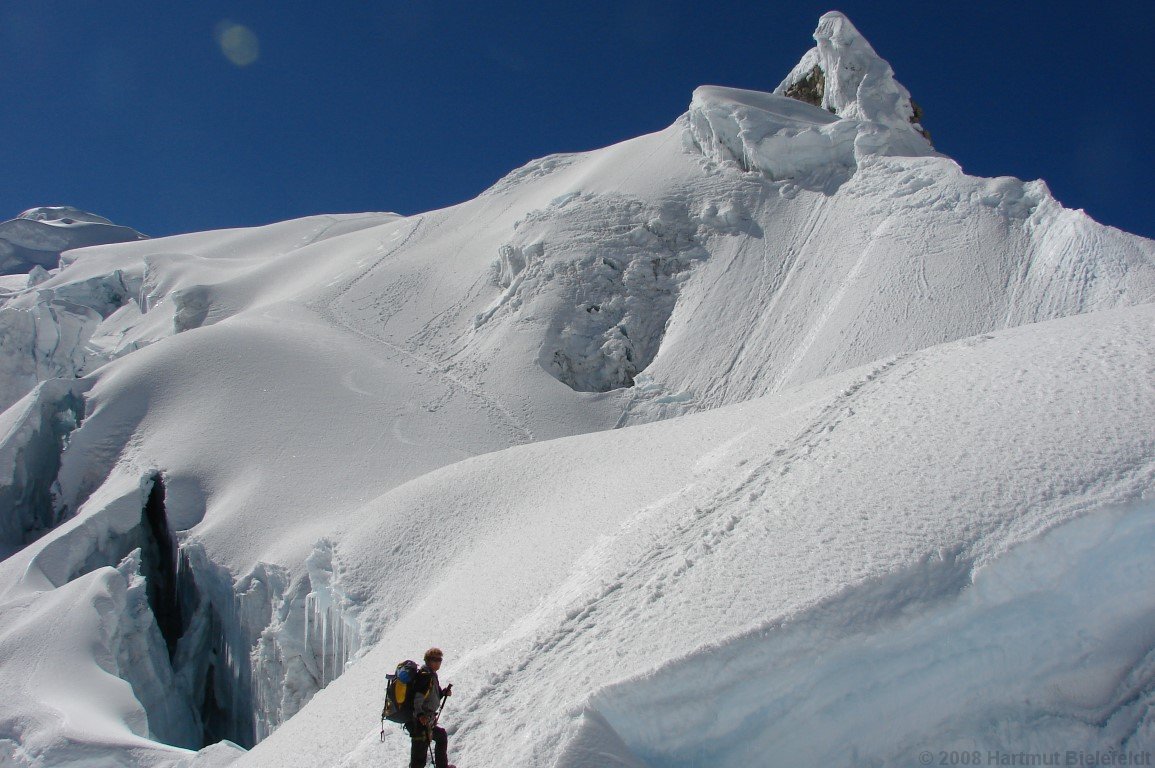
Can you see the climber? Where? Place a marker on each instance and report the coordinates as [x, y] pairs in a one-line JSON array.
[[423, 727]]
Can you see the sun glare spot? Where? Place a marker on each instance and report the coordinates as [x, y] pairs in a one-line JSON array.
[[238, 43]]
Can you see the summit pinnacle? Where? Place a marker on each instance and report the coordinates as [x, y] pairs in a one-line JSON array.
[[844, 75]]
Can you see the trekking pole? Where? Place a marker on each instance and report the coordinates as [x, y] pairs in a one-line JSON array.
[[436, 717]]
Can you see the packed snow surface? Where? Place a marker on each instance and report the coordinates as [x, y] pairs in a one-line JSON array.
[[769, 438]]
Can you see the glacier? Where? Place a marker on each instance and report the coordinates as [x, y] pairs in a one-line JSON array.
[[770, 437]]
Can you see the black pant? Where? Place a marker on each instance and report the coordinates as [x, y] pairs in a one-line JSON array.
[[420, 752]]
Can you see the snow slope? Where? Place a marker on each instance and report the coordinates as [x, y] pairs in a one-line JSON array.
[[859, 385], [761, 524]]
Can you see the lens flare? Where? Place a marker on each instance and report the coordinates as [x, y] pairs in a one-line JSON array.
[[238, 43]]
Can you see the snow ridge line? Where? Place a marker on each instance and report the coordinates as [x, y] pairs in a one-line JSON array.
[[329, 312]]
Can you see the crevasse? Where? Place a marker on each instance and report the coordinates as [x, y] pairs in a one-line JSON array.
[[209, 657]]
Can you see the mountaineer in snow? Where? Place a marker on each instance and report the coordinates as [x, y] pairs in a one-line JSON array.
[[423, 727]]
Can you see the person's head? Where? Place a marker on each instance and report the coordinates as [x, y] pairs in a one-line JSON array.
[[433, 658]]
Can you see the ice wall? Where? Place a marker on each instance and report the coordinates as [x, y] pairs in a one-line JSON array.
[[36, 432], [143, 661], [609, 269], [314, 633], [258, 648], [47, 332]]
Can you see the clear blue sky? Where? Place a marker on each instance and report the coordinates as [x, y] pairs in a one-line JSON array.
[[131, 109]]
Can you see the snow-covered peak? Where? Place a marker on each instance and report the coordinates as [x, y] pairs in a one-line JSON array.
[[844, 75], [856, 110], [37, 237], [62, 216]]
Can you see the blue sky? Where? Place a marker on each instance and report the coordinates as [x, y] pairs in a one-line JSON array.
[[132, 110]]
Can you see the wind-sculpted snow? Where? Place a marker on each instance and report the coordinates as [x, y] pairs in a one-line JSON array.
[[858, 110], [890, 264], [782, 138], [857, 83], [1044, 651], [256, 468], [105, 303], [774, 135]]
